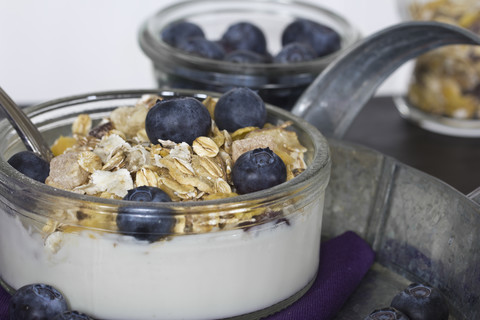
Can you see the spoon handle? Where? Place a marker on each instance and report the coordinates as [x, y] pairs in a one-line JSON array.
[[336, 96], [27, 131]]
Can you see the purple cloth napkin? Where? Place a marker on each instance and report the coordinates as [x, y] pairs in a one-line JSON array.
[[344, 261]]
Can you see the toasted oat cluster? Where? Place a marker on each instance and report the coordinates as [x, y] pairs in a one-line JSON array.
[[446, 81], [116, 155]]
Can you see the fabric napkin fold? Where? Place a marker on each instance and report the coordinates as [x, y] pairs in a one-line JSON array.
[[344, 261]]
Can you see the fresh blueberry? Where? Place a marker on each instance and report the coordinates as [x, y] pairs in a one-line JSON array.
[[295, 52], [244, 36], [203, 48], [258, 169], [179, 120], [421, 302], [145, 223], [246, 56], [73, 315], [239, 108], [323, 39], [177, 32], [30, 165], [36, 302], [388, 313]]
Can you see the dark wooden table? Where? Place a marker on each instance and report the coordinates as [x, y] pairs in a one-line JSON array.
[[454, 160]]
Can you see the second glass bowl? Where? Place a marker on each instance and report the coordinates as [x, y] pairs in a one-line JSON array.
[[278, 84], [444, 91]]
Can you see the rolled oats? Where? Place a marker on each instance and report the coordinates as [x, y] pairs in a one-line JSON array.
[[146, 177], [207, 167], [89, 161], [115, 182], [109, 145], [222, 186], [115, 161], [129, 120], [82, 125], [210, 103], [205, 147]]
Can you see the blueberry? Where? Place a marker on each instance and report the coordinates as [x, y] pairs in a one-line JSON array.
[[244, 36], [203, 48], [239, 108], [178, 120], [30, 165], [258, 169], [36, 302], [73, 315], [295, 52], [246, 56], [388, 313], [145, 223], [177, 32], [421, 302], [323, 39]]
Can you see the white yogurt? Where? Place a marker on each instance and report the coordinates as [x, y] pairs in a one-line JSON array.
[[206, 276]]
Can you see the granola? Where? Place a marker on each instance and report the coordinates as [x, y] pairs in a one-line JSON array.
[[116, 155]]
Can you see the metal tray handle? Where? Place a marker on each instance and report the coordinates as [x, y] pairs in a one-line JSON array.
[[336, 96]]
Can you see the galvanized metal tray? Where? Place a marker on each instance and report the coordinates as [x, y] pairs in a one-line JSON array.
[[421, 229]]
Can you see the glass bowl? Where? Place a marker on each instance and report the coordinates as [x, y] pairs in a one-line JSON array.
[[278, 84], [252, 267], [443, 94]]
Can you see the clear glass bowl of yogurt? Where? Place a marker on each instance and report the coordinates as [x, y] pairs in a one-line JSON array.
[[277, 83], [225, 265]]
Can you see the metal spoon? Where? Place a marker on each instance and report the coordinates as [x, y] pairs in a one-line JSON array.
[[336, 96], [26, 130]]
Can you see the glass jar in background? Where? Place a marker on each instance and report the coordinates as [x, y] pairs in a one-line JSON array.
[[278, 84], [444, 90]]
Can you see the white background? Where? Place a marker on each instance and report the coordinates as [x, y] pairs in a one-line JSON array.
[[55, 48]]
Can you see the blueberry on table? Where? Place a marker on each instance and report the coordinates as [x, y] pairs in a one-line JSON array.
[[145, 223], [295, 52], [388, 313], [203, 48], [244, 36], [240, 108], [73, 315], [258, 169], [323, 39], [421, 302], [178, 120], [36, 301], [30, 165], [177, 32]]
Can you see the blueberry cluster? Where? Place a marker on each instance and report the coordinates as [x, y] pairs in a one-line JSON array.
[[416, 302], [41, 301], [244, 42]]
